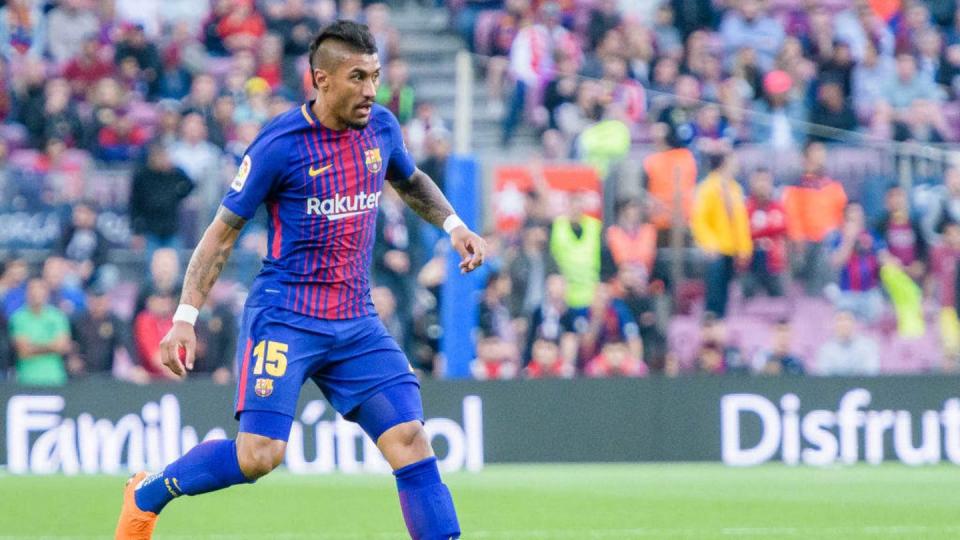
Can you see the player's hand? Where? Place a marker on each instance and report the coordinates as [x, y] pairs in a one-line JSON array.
[[181, 336], [470, 246]]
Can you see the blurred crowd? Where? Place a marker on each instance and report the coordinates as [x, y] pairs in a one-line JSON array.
[[123, 121], [778, 273]]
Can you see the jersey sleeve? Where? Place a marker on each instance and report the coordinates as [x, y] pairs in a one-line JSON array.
[[400, 164], [259, 174]]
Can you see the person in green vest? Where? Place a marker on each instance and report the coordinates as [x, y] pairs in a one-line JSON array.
[[397, 94], [41, 338], [575, 243]]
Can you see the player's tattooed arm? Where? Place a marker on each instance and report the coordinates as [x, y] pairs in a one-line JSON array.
[[423, 195], [210, 257]]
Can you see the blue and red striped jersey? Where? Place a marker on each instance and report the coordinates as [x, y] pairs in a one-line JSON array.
[[322, 189]]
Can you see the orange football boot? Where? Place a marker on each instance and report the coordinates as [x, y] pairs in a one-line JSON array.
[[134, 523]]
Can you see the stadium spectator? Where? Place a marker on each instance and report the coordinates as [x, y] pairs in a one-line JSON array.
[[778, 359], [396, 252], [13, 285], [426, 120], [528, 269], [434, 163], [667, 36], [575, 244], [163, 277], [815, 209], [87, 67], [546, 361], [497, 347], [554, 322], [41, 338], [158, 190], [530, 65], [748, 25], [610, 322], [833, 112], [376, 15], [23, 30], [134, 44], [115, 137], [721, 228], [386, 306], [779, 113], [203, 93], [602, 18], [944, 262], [67, 26], [632, 240], [768, 230], [98, 334], [869, 76], [149, 327], [54, 117], [396, 93], [216, 342], [616, 359], [855, 253], [908, 85], [716, 354], [82, 244], [943, 206], [848, 352], [200, 159], [901, 233], [922, 122], [7, 356], [680, 115], [671, 176], [270, 60], [239, 26]]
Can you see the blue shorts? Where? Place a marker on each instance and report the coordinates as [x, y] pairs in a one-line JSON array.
[[350, 360]]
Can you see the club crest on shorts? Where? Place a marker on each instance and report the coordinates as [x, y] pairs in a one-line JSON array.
[[263, 388], [373, 159]]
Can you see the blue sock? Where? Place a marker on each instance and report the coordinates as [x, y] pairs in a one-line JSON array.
[[426, 502], [209, 466]]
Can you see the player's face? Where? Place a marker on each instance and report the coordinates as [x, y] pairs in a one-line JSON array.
[[353, 87]]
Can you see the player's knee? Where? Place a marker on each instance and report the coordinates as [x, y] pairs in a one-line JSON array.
[[408, 438], [259, 455]]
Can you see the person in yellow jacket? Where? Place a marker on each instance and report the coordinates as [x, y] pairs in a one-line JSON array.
[[721, 228], [576, 240]]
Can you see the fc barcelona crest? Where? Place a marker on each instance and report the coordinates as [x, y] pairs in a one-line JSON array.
[[263, 388], [373, 159]]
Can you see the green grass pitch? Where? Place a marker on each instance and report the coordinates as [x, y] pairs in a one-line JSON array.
[[526, 502]]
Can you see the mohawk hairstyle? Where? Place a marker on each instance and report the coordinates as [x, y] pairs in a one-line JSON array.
[[355, 36]]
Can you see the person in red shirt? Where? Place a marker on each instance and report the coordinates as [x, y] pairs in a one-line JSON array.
[[768, 228], [616, 360], [149, 327], [242, 26], [547, 362], [902, 233], [87, 68]]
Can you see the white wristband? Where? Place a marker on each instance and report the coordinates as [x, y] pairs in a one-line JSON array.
[[187, 314], [452, 222]]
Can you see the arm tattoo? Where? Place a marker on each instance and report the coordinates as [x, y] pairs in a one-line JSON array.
[[210, 257], [422, 195]]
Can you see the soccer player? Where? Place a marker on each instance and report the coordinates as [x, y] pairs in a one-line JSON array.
[[319, 169]]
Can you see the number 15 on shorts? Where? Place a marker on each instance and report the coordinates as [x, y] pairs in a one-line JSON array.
[[270, 355]]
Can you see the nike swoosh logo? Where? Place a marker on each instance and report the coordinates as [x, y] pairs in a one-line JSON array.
[[315, 172]]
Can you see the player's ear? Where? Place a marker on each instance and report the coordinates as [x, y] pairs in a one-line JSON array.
[[321, 79]]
